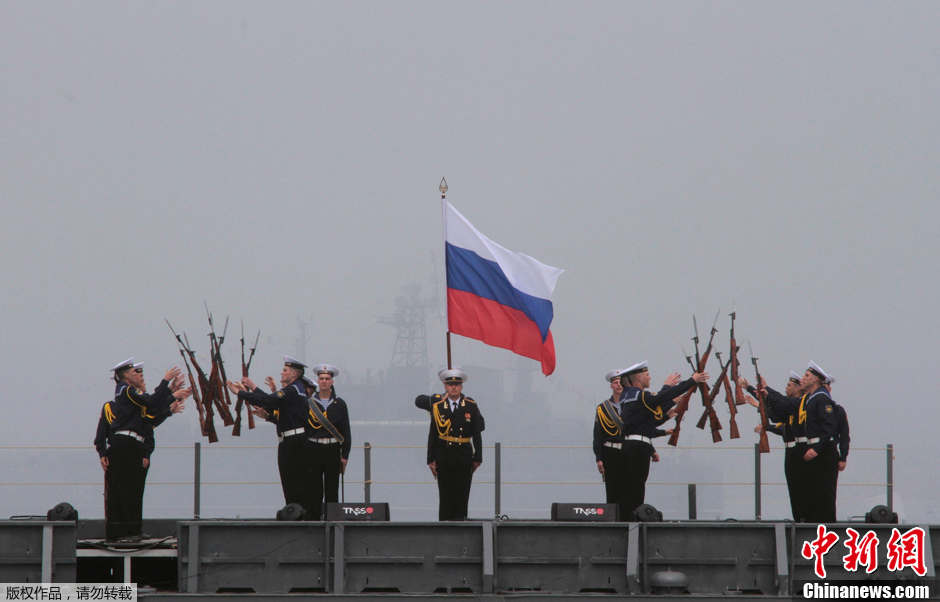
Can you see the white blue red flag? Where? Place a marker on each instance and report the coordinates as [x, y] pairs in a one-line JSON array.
[[496, 296]]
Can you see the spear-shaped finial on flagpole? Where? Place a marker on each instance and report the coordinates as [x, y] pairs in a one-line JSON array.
[[443, 189]]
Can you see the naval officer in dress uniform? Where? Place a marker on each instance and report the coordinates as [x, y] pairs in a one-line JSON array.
[[455, 443], [328, 430], [288, 409], [623, 433]]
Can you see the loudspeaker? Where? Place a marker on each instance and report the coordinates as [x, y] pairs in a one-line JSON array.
[[361, 512], [880, 514], [589, 513], [646, 513], [292, 512], [63, 511]]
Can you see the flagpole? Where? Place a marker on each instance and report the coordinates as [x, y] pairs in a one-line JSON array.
[[443, 189]]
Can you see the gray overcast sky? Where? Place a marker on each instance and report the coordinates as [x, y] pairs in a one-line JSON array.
[[281, 160]]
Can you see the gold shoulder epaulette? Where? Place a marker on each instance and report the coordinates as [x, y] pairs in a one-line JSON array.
[[470, 399]]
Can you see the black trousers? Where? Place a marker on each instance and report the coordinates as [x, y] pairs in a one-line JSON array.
[[326, 464], [795, 473], [125, 482], [293, 464], [453, 490], [625, 474], [822, 473]]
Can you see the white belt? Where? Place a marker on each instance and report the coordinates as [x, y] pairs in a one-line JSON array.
[[791, 443], [800, 439], [813, 441], [286, 434], [130, 434], [324, 440], [628, 438]]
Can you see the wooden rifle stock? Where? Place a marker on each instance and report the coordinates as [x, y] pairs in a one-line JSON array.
[[226, 413], [735, 366], [764, 443], [709, 413], [251, 354], [206, 399], [729, 398], [681, 408], [710, 407]]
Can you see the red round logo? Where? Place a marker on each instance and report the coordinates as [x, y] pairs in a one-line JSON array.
[[600, 511], [368, 510]]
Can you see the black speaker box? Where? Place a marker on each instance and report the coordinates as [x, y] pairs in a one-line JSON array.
[[587, 513], [377, 512]]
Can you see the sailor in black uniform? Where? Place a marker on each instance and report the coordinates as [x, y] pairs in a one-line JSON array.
[[125, 453], [455, 443], [288, 409], [623, 434], [152, 421], [328, 431], [822, 455], [782, 422]]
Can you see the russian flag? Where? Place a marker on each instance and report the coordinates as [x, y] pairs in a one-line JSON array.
[[496, 296]]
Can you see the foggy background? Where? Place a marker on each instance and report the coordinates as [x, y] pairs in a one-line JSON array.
[[280, 162]]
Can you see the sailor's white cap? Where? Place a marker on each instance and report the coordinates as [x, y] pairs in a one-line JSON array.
[[452, 375], [794, 376], [612, 375], [635, 368], [294, 363], [308, 382], [321, 368], [128, 363], [815, 369]]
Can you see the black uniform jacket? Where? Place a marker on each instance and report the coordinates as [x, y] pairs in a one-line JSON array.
[[104, 427], [131, 406], [338, 415], [289, 404], [791, 410], [779, 424], [451, 433], [641, 412], [821, 418]]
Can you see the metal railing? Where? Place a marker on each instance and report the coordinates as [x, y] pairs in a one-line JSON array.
[[499, 481]]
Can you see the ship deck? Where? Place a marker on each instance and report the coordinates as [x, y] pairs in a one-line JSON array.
[[474, 559]]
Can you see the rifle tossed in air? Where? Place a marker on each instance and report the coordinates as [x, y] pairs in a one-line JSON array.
[[237, 429], [729, 397], [735, 365], [197, 398], [683, 404], [206, 395], [764, 445], [217, 388], [709, 413]]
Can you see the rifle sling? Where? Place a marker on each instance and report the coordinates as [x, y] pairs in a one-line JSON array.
[[613, 415], [315, 408]]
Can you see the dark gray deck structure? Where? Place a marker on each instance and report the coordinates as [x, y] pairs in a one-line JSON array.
[[476, 559]]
